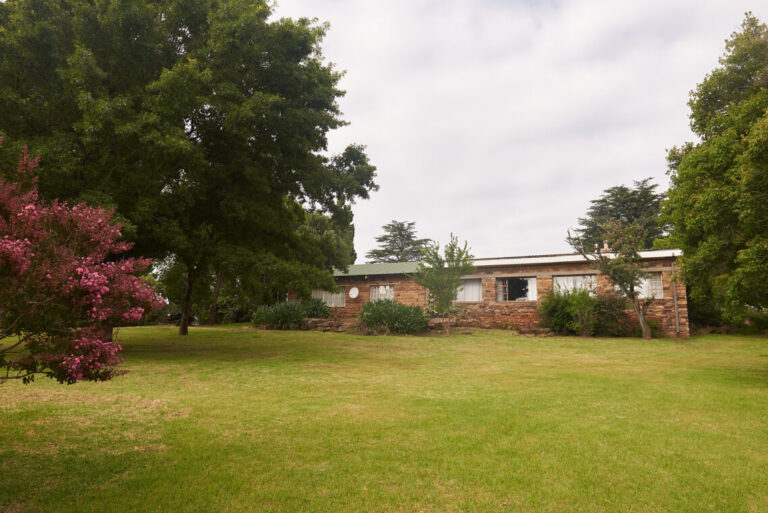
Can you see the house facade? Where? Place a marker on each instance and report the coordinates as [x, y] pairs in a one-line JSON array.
[[506, 292]]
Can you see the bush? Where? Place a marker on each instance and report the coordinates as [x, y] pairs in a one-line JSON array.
[[582, 308], [315, 309], [613, 320], [386, 316], [554, 313], [579, 313], [280, 316]]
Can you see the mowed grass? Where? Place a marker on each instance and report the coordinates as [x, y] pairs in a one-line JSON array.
[[233, 419]]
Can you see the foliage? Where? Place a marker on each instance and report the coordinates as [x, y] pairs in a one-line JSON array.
[[288, 315], [612, 318], [639, 205], [441, 275], [202, 123], [63, 285], [315, 309], [280, 316], [398, 243], [622, 264], [581, 313], [718, 200], [582, 308], [388, 317], [555, 312]]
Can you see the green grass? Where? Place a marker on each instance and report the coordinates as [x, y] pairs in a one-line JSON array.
[[233, 419]]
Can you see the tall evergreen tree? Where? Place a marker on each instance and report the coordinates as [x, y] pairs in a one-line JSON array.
[[398, 243], [202, 122], [718, 200], [636, 205]]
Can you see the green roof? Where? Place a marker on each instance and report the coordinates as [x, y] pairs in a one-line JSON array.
[[373, 269]]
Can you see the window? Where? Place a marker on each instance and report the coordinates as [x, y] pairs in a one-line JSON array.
[[382, 292], [651, 286], [470, 290], [332, 299], [576, 282], [516, 289]]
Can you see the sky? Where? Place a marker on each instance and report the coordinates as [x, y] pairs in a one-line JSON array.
[[499, 121]]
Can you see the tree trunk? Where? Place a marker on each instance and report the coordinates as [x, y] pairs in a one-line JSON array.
[[211, 320], [186, 303], [640, 312]]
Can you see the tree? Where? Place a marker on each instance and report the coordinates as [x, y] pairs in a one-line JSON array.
[[64, 285], [718, 200], [398, 243], [640, 204], [202, 123], [621, 263], [441, 275]]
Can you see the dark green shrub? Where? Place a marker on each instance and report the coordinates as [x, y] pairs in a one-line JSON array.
[[280, 316], [315, 309], [613, 319], [580, 313], [386, 316], [582, 308], [568, 313]]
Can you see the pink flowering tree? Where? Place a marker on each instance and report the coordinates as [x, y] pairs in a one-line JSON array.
[[63, 286]]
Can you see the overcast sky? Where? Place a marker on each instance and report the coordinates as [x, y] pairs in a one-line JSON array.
[[500, 120]]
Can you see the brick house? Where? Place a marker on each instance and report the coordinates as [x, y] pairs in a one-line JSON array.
[[505, 292]]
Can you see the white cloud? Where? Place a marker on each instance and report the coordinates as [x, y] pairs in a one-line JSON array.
[[500, 120]]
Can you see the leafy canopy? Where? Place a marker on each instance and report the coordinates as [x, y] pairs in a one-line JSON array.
[[441, 274], [718, 200], [640, 204], [203, 123], [398, 243]]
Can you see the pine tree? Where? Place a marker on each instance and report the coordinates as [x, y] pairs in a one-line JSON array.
[[398, 243]]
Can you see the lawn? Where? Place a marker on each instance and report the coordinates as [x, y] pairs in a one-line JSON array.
[[233, 419]]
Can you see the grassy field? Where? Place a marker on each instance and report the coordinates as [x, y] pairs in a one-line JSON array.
[[233, 420]]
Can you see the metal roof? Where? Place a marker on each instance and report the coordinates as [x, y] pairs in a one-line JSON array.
[[410, 267]]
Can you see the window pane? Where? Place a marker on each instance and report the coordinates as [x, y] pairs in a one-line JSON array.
[[575, 282], [332, 299], [651, 286], [470, 290], [382, 292]]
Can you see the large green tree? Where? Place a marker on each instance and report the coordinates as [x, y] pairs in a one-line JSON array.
[[398, 243], [202, 122], [718, 200], [636, 205]]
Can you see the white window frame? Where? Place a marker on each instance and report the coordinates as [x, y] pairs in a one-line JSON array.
[[331, 299], [473, 295], [379, 292], [531, 295]]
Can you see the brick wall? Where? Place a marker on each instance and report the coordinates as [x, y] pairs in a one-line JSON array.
[[519, 315]]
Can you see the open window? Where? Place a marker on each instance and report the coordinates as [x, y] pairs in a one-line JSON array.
[[516, 289], [379, 292], [332, 299], [470, 291]]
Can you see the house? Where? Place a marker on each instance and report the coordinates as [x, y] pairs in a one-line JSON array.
[[505, 292]]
